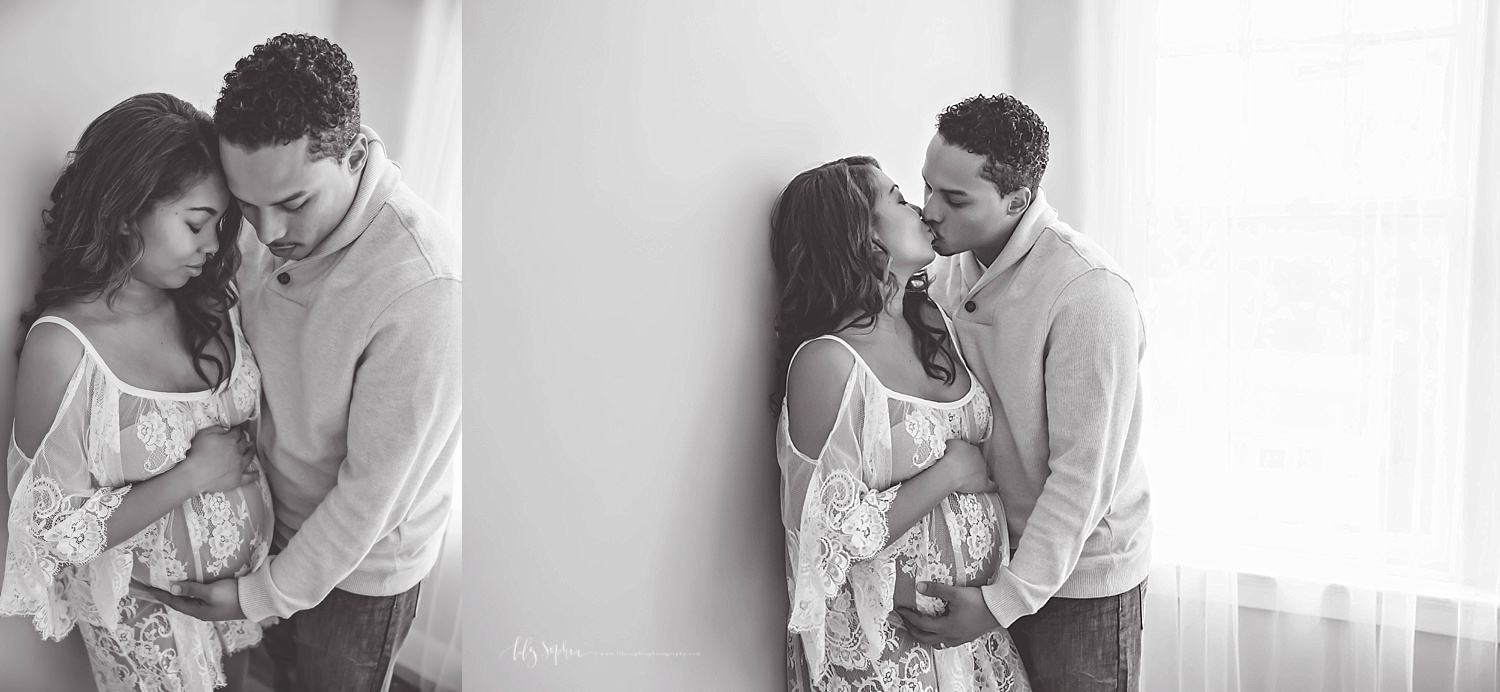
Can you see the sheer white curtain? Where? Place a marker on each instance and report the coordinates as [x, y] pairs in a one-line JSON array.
[[432, 164], [1304, 193]]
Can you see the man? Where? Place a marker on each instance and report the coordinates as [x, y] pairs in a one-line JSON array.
[[351, 303], [1054, 333]]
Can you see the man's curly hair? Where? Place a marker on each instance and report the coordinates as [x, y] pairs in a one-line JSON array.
[[1011, 138], [290, 86]]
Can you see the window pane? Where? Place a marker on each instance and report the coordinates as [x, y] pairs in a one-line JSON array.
[[1295, 19], [1182, 23], [1400, 110], [1295, 139], [1306, 285], [1199, 111], [1380, 16]]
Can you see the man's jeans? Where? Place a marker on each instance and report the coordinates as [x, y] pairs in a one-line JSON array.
[[346, 643], [1083, 644]]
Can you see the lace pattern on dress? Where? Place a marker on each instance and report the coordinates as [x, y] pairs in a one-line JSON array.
[[74, 537], [56, 568], [843, 580], [164, 430]]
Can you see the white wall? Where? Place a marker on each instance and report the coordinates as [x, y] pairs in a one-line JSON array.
[[379, 36], [64, 64], [621, 163], [1048, 70]]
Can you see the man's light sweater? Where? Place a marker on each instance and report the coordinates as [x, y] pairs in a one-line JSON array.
[[359, 351], [1054, 332]]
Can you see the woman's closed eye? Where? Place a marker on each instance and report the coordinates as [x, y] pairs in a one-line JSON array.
[[210, 222]]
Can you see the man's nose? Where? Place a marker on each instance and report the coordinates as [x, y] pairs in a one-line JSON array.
[[268, 230]]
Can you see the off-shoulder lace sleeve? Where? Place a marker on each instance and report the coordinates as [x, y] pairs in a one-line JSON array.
[[836, 532], [57, 522]]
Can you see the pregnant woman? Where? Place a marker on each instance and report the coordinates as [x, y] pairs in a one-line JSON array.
[[129, 461], [882, 485]]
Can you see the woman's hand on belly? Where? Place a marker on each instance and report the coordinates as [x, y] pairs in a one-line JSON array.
[[966, 468], [219, 459]]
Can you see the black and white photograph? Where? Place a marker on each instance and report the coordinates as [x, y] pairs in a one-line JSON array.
[[1050, 345], [806, 345], [233, 271]]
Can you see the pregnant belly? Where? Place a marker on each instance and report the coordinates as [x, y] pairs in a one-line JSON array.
[[209, 537], [961, 542]]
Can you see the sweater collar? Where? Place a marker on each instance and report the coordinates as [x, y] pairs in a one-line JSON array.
[[1038, 217], [376, 183]]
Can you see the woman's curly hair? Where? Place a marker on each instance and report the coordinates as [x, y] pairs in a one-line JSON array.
[[831, 272], [146, 151], [291, 86], [1011, 138]]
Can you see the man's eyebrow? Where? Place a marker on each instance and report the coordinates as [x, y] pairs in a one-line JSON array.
[[946, 191], [290, 198], [293, 196]]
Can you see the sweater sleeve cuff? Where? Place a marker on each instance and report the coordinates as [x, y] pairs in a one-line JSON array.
[[1005, 604], [255, 595]]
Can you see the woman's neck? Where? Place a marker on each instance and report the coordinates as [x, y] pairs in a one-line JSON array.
[[891, 318], [895, 306], [895, 303], [136, 298]]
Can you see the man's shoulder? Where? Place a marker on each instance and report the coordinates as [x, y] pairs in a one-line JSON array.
[[1061, 247], [407, 243], [1062, 256], [429, 234]]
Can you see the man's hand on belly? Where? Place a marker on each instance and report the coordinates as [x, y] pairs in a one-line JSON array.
[[214, 601], [967, 616]]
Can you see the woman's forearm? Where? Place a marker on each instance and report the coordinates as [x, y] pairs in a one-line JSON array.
[[146, 502], [916, 497]]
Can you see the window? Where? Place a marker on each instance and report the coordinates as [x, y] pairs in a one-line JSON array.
[[1309, 281]]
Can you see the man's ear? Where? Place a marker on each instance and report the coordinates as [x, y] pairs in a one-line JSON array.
[[1016, 203], [358, 155]]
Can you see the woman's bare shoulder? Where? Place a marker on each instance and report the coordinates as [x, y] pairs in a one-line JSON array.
[[48, 358], [815, 387]]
